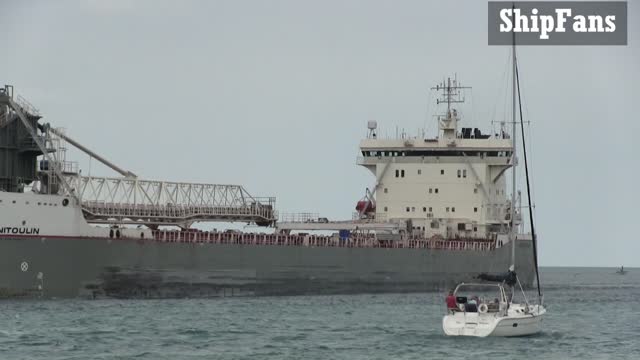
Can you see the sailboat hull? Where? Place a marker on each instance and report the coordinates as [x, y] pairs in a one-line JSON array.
[[515, 323], [518, 326]]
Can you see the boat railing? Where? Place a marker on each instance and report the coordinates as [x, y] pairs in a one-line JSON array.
[[302, 217], [27, 106], [355, 241]]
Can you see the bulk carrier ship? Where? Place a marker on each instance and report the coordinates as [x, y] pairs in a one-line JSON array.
[[437, 214]]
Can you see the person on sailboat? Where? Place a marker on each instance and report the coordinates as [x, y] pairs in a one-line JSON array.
[[452, 305], [472, 305]]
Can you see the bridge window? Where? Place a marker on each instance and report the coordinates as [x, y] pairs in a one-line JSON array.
[[442, 172], [430, 209], [475, 191], [413, 209], [401, 173], [385, 209], [475, 209], [424, 209], [464, 173], [408, 209], [436, 190], [430, 190], [397, 173], [447, 209], [453, 209], [386, 190], [459, 173], [419, 172]]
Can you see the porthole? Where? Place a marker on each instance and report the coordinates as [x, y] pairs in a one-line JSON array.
[[65, 202]]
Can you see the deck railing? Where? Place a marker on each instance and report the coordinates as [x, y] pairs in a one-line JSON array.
[[355, 241]]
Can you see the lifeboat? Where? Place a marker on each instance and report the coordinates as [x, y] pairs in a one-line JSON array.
[[365, 206]]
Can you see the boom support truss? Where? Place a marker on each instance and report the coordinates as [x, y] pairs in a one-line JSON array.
[[153, 203]]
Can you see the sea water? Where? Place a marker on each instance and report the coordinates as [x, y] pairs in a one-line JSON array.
[[593, 313]]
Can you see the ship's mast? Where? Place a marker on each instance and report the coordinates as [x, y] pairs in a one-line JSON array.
[[513, 228], [452, 93]]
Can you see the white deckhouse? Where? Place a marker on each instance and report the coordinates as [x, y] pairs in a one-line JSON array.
[[451, 186]]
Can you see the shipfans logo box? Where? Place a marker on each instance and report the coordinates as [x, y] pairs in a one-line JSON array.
[[557, 23]]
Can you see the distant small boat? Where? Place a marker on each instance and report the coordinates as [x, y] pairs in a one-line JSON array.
[[621, 271]]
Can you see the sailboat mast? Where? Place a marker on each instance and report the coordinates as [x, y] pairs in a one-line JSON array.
[[513, 160], [526, 172]]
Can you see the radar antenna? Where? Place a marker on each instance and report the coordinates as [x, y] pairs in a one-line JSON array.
[[452, 93]]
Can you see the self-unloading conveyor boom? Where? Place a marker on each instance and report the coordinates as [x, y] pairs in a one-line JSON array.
[[108, 163], [130, 200]]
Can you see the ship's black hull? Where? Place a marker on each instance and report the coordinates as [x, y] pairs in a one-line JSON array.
[[97, 268]]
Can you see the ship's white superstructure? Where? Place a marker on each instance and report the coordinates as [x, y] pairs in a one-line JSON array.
[[450, 186]]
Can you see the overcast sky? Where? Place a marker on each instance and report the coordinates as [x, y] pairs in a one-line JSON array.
[[275, 95]]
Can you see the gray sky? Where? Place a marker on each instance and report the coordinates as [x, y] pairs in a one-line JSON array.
[[275, 95]]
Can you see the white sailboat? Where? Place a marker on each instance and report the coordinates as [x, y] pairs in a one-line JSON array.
[[501, 318], [502, 315]]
